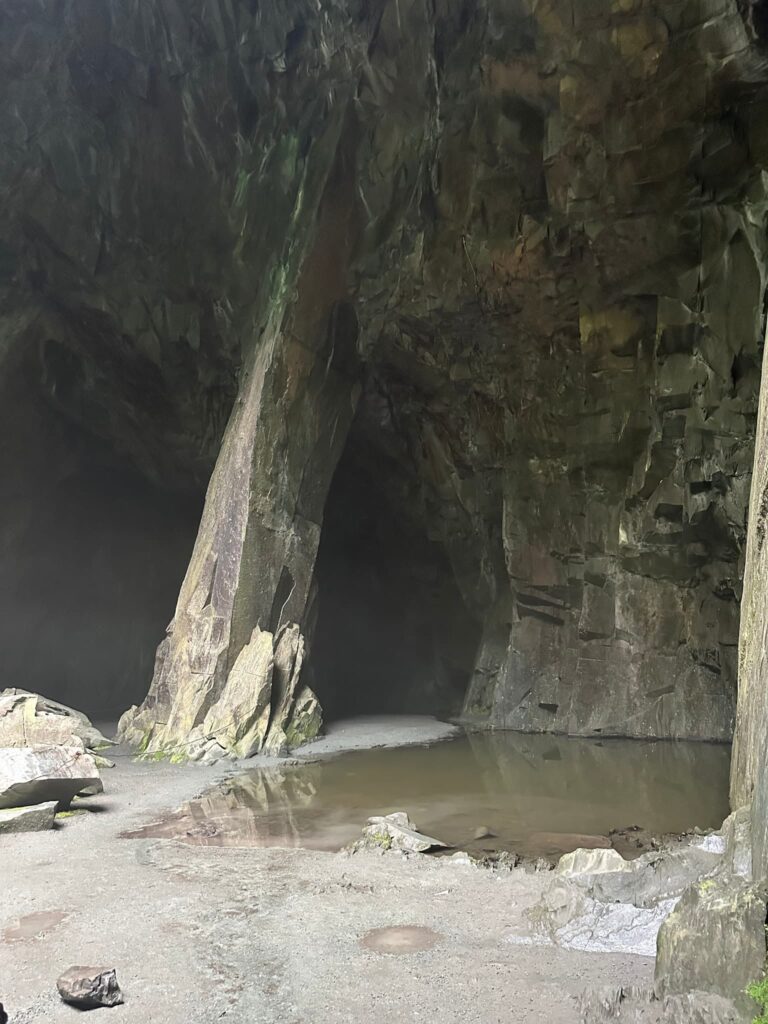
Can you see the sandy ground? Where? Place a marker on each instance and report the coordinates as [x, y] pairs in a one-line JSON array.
[[202, 934]]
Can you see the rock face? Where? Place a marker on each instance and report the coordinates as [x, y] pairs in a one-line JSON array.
[[726, 921], [511, 255], [749, 766]]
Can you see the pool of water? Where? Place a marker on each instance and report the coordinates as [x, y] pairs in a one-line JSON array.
[[533, 793]]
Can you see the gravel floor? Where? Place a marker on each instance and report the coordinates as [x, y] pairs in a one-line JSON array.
[[275, 936]]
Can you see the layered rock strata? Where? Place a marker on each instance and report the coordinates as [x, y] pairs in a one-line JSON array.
[[539, 227]]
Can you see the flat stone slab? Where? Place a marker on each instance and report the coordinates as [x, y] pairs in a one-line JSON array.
[[33, 775], [33, 818]]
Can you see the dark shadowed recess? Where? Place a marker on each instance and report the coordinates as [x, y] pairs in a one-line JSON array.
[[91, 554], [392, 633]]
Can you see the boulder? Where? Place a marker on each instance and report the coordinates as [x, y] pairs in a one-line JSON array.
[[591, 862], [89, 987], [32, 775], [396, 832], [34, 818], [27, 719], [714, 941], [599, 902]]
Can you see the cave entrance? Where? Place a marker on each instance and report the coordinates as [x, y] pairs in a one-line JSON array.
[[92, 554], [392, 634]]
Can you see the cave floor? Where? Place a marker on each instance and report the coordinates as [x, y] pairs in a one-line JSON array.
[[269, 935]]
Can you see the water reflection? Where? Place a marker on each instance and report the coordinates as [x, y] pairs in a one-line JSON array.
[[522, 788]]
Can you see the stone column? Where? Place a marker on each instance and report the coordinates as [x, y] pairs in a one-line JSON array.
[[227, 676]]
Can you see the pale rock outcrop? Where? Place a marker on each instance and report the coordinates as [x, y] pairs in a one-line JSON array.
[[396, 832], [27, 719], [31, 776]]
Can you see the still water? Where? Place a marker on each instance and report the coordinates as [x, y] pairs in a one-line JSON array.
[[526, 790]]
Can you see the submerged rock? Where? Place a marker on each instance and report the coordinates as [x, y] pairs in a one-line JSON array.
[[33, 818], [28, 720], [396, 832], [89, 987], [36, 775]]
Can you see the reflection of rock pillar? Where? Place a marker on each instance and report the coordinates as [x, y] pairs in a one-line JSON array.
[[227, 674]]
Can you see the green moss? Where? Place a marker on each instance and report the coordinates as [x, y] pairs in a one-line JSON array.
[[382, 839], [71, 813], [144, 742], [304, 727], [758, 991], [707, 885], [152, 755]]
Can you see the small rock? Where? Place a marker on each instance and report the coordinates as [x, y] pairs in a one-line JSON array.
[[89, 987], [396, 832], [483, 832], [37, 818]]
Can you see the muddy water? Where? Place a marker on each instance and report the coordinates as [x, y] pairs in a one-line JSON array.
[[531, 792]]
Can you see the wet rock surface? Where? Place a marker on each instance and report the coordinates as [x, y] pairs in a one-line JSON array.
[[400, 939], [89, 987]]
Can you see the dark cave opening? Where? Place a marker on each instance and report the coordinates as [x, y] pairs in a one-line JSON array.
[[92, 554], [392, 634]]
